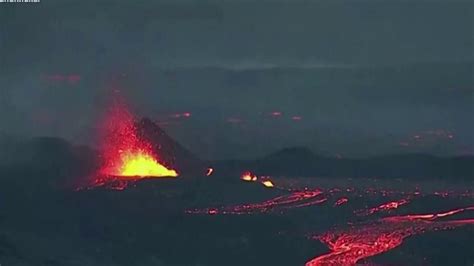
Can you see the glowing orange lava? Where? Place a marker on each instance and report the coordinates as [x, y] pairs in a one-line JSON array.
[[385, 207], [143, 164], [360, 242], [296, 199], [124, 153], [267, 183], [248, 176]]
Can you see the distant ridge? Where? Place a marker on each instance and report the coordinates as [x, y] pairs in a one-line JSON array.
[[302, 153], [300, 161], [54, 155]]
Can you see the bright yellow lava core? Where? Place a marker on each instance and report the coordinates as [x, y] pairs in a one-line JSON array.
[[142, 164], [247, 176], [267, 183]]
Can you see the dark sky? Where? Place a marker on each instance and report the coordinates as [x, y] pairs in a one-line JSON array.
[[353, 78]]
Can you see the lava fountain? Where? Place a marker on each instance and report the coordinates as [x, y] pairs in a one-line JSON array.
[[142, 164], [124, 154]]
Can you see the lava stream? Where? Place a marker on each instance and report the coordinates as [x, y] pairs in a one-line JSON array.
[[363, 241], [384, 207], [296, 199]]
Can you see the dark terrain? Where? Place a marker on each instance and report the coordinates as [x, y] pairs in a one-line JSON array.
[[45, 220]]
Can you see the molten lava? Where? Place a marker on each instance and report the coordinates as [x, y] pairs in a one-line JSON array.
[[385, 207], [124, 153], [296, 199], [143, 164], [363, 239], [267, 183], [366, 240], [248, 176]]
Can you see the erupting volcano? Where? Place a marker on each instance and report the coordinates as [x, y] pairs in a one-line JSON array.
[[141, 164], [125, 155]]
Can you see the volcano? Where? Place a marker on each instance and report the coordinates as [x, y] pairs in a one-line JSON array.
[[132, 150], [170, 151]]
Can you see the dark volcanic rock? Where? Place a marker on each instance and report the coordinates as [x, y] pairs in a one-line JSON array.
[[302, 162], [8, 249], [170, 152]]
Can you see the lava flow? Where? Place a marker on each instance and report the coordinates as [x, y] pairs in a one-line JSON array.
[[296, 199], [384, 207], [125, 155], [363, 241]]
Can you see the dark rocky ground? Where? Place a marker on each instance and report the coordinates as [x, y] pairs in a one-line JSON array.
[[146, 225], [44, 221]]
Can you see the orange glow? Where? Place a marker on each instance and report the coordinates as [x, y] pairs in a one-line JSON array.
[[366, 240], [124, 153], [267, 183], [387, 206], [360, 240], [296, 199], [248, 176], [143, 164]]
